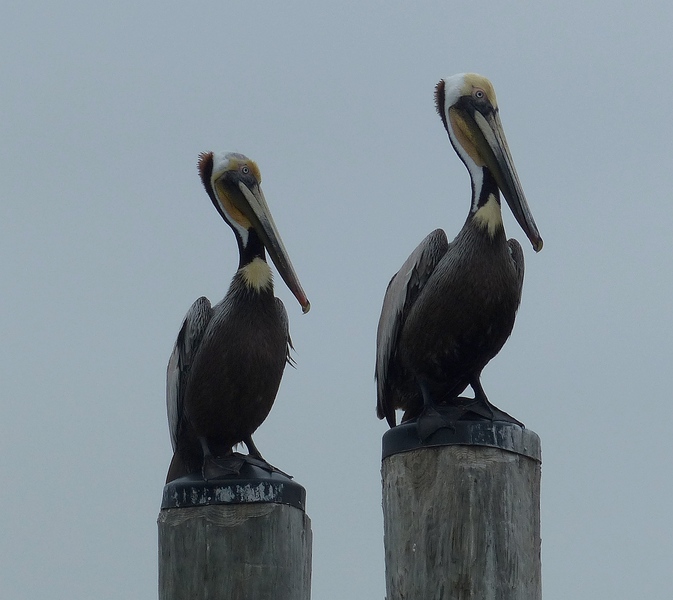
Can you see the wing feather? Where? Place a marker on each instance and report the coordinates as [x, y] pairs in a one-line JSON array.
[[401, 294], [286, 325], [190, 336], [516, 252]]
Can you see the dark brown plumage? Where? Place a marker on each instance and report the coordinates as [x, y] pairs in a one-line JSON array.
[[451, 307], [228, 360]]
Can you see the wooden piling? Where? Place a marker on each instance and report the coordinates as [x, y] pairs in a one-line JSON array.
[[462, 513], [234, 540]]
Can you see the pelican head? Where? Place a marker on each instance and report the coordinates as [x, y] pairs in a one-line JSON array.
[[233, 183], [469, 110]]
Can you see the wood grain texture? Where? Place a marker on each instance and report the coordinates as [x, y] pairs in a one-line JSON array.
[[234, 552], [462, 523]]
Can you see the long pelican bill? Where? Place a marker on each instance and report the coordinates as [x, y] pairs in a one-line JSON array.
[[253, 205], [493, 148]]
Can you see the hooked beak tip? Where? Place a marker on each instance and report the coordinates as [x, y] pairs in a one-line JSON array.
[[306, 307]]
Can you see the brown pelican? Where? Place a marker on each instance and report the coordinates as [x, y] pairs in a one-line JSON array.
[[451, 307], [228, 360]]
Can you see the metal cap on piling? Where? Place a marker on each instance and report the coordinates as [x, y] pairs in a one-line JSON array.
[[461, 511], [251, 485], [496, 434], [243, 535]]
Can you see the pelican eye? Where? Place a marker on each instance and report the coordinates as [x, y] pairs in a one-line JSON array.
[[245, 170], [479, 94]]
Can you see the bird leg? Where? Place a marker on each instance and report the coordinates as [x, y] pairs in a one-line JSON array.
[[230, 463], [436, 415], [218, 467], [430, 419], [484, 408], [252, 449], [255, 458]]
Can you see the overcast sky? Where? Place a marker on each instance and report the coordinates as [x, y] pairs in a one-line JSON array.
[[107, 237]]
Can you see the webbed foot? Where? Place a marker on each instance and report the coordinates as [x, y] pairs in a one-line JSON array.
[[435, 417], [430, 420], [255, 458], [263, 464], [220, 467], [494, 413], [501, 415], [231, 465]]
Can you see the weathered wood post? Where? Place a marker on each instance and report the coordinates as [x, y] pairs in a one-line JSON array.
[[242, 538], [462, 513]]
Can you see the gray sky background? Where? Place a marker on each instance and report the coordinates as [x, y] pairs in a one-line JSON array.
[[107, 237]]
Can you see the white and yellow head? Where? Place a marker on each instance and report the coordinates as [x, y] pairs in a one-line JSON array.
[[227, 176], [233, 181], [469, 110]]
